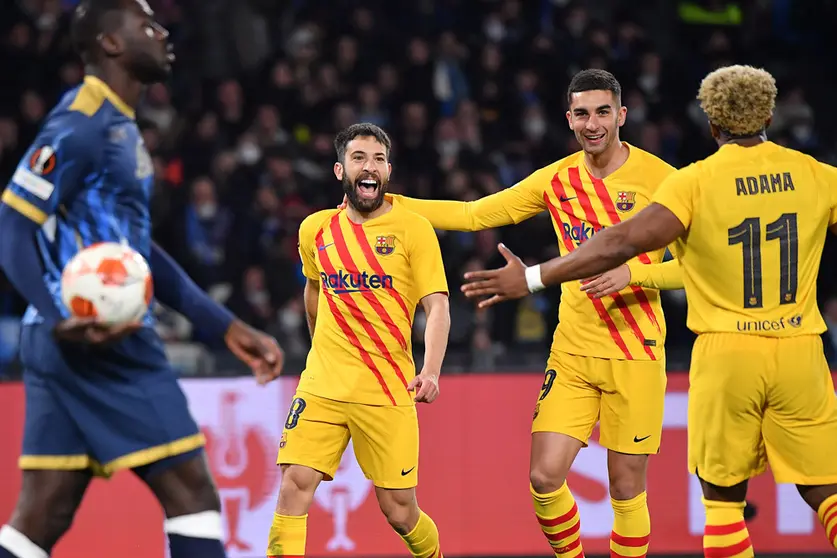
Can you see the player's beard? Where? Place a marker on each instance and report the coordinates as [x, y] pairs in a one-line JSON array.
[[364, 205], [146, 69]]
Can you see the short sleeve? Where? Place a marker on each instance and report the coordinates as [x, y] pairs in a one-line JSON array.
[[53, 168], [308, 246], [678, 193], [830, 179], [426, 259]]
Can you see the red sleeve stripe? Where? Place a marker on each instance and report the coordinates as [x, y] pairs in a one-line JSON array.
[[376, 265], [568, 244], [344, 325], [357, 313]]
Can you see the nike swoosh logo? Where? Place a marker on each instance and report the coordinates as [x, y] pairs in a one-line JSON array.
[[407, 472], [566, 199], [638, 440], [321, 248]]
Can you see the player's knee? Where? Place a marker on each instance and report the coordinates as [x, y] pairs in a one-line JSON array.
[[400, 508], [544, 481], [43, 525], [185, 488], [47, 505], [296, 492], [627, 476]]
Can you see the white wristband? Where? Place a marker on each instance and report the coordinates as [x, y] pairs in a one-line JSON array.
[[533, 278]]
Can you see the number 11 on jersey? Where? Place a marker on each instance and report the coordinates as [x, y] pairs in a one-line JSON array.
[[748, 234]]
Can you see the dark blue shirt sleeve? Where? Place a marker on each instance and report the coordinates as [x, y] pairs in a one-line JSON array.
[[53, 168], [22, 264], [176, 290]]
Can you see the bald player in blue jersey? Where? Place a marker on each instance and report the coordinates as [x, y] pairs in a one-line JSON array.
[[98, 398]]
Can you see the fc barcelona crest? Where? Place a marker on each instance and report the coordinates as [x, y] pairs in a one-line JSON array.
[[385, 245], [625, 201]]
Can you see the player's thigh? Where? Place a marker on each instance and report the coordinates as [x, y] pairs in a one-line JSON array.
[[800, 423], [47, 503], [315, 434], [633, 397], [386, 444], [726, 401], [569, 401]]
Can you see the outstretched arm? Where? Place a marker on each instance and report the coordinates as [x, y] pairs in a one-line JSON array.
[[666, 276], [661, 276], [651, 229], [510, 206]]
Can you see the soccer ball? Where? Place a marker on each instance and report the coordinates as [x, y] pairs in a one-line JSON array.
[[107, 281]]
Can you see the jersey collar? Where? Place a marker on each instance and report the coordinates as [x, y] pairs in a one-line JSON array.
[[109, 94]]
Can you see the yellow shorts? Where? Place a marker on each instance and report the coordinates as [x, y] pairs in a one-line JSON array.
[[385, 439], [625, 396], [758, 400]]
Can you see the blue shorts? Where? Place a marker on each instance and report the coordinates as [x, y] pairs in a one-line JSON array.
[[100, 410]]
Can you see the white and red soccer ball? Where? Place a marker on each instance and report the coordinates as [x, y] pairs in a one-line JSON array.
[[108, 281]]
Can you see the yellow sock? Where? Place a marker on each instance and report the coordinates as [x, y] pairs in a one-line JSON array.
[[423, 540], [828, 517], [287, 536], [557, 513], [725, 533], [631, 527]]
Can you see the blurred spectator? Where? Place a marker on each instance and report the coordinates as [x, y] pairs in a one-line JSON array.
[[472, 93]]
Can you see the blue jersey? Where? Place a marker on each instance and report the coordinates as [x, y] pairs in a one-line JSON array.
[[87, 178]]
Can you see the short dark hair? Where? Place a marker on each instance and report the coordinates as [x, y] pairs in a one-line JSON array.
[[90, 19], [594, 80], [359, 130]]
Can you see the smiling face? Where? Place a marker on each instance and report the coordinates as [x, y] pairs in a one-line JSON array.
[[595, 118], [364, 172]]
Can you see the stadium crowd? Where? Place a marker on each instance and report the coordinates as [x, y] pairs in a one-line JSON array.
[[472, 92]]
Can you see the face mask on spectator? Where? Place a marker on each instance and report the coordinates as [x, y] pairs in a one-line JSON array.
[[207, 210], [258, 298], [448, 148], [802, 132], [495, 30], [535, 127], [290, 319], [249, 153]]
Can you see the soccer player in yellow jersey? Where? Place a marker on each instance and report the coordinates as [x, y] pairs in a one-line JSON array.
[[607, 362], [367, 267], [749, 223]]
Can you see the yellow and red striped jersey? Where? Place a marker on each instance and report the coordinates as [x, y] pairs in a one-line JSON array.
[[626, 325], [371, 278]]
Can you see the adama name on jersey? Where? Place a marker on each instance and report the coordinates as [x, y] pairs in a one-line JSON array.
[[764, 184]]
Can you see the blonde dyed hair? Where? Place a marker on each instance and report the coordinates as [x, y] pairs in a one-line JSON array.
[[738, 99]]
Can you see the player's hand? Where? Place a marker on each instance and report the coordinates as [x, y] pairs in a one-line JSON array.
[[257, 350], [426, 385], [608, 282], [506, 283], [345, 203], [89, 331]]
